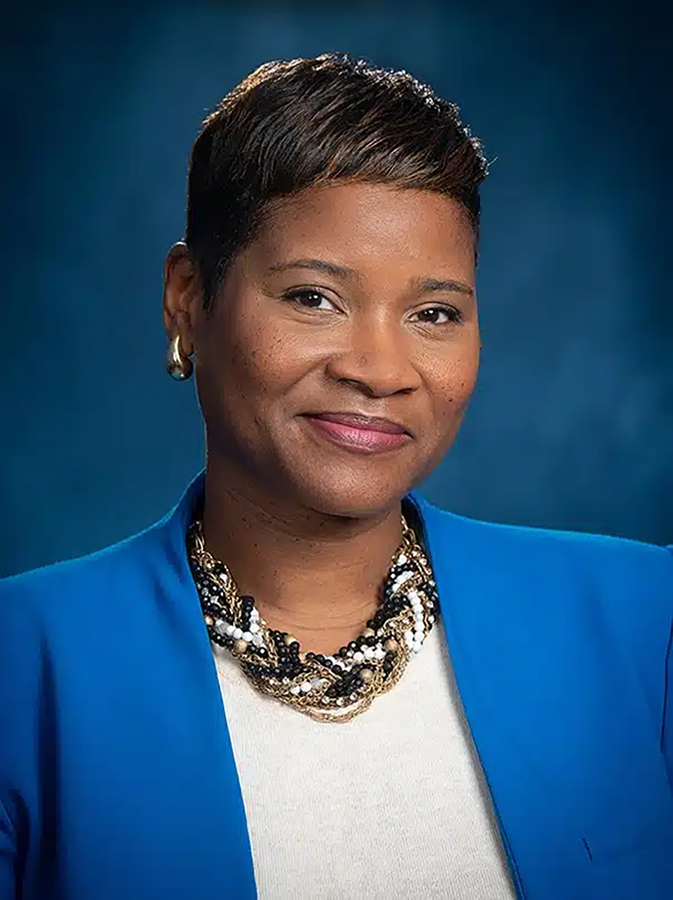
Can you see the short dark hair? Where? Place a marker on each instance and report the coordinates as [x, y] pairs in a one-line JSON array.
[[300, 123]]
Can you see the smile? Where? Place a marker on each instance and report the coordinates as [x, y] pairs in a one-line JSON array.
[[356, 439]]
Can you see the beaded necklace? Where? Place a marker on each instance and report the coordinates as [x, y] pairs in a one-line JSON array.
[[327, 688]]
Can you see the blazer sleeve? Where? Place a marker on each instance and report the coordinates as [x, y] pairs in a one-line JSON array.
[[20, 733], [667, 725], [7, 855]]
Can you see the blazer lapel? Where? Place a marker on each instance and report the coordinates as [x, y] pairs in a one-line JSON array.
[[217, 813], [541, 699]]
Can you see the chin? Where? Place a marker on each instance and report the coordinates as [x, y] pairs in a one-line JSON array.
[[351, 495]]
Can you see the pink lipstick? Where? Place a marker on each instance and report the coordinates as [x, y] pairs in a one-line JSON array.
[[367, 436]]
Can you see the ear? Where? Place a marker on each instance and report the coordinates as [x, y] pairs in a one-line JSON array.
[[181, 296]]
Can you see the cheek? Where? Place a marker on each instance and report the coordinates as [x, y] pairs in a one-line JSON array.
[[454, 381], [253, 365], [246, 356]]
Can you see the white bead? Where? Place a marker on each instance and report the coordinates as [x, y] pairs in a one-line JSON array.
[[379, 653], [258, 640], [358, 657], [246, 636], [431, 619], [401, 578], [316, 682], [230, 630], [402, 558], [305, 686], [220, 626], [295, 689], [368, 652], [238, 634], [254, 627]]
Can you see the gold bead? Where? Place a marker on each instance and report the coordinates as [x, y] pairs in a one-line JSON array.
[[391, 645], [366, 675], [369, 632], [290, 639], [240, 646], [208, 620]]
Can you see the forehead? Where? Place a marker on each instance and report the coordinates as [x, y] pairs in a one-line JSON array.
[[368, 222]]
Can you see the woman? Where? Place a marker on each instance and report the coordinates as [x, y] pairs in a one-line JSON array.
[[306, 680]]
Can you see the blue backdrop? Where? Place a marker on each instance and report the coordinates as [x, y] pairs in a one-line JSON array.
[[572, 422]]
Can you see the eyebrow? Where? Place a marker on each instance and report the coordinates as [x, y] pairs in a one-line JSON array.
[[340, 271]]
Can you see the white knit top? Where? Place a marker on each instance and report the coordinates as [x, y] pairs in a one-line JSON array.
[[392, 804]]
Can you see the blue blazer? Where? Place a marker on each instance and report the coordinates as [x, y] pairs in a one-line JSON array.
[[117, 778]]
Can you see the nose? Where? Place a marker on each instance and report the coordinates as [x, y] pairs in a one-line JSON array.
[[376, 361]]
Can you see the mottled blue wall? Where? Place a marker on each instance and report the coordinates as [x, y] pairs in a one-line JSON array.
[[572, 422]]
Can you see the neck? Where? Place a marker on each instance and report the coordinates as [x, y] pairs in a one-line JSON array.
[[315, 575]]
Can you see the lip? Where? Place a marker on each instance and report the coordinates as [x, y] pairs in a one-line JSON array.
[[357, 439], [359, 420]]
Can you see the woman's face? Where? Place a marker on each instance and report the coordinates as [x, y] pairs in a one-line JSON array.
[[386, 325]]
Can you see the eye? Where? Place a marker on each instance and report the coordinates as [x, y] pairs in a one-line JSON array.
[[308, 298], [429, 315]]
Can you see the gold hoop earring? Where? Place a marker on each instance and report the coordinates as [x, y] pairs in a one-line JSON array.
[[178, 366]]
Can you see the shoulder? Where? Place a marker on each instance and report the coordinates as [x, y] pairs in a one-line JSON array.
[[71, 588], [541, 548], [54, 631], [113, 571], [588, 596], [617, 576]]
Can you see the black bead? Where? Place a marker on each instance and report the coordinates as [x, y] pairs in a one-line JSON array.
[[353, 645]]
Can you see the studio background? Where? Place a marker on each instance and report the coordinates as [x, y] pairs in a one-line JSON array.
[[571, 425]]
